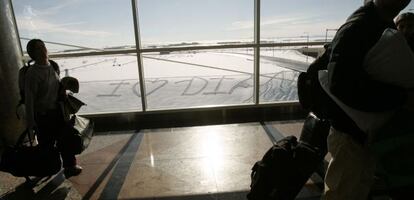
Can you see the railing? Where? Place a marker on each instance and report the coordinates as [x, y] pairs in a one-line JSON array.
[[98, 52]]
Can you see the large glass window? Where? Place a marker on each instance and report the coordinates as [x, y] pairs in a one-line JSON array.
[[193, 53]]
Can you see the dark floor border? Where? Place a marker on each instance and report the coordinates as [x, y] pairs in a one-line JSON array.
[[111, 165], [116, 181], [197, 117], [236, 195]]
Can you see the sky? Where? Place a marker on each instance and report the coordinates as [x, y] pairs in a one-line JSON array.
[[106, 23]]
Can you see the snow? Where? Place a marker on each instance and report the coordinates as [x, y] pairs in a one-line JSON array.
[[183, 79]]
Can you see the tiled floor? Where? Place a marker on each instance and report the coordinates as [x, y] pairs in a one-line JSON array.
[[205, 162]]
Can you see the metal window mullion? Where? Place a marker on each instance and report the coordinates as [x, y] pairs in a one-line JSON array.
[[151, 50], [139, 56], [256, 51]]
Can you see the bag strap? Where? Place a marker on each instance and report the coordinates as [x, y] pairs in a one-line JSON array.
[[55, 66], [21, 90], [21, 138], [17, 108]]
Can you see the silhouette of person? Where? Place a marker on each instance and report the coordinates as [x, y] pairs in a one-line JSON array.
[[41, 96], [350, 173]]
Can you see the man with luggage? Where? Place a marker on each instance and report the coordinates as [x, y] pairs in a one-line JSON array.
[[41, 96], [351, 170]]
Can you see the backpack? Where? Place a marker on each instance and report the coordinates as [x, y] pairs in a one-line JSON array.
[[22, 79], [311, 95], [284, 170]]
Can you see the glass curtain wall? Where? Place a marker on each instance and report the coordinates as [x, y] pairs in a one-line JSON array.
[[191, 53]]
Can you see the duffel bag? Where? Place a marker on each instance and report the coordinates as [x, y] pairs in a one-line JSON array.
[[77, 135], [24, 161]]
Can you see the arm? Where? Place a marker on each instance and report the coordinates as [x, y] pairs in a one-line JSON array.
[[30, 90], [350, 82]]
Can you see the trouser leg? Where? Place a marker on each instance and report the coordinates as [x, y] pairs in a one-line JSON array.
[[50, 129], [69, 160], [350, 173]]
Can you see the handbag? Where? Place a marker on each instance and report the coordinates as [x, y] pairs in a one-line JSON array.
[[77, 135], [311, 95], [33, 160], [70, 105]]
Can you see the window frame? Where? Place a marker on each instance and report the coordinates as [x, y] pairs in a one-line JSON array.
[[138, 50]]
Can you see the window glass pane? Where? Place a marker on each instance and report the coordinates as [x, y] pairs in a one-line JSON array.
[[278, 73], [302, 21], [195, 22], [287, 21], [198, 78], [107, 83], [76, 24]]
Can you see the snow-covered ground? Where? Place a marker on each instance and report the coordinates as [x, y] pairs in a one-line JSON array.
[[184, 79]]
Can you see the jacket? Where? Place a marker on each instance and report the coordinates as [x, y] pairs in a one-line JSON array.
[[41, 91], [347, 78]]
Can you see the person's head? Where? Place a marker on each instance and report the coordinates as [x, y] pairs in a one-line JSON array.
[[389, 9], [405, 24], [36, 49]]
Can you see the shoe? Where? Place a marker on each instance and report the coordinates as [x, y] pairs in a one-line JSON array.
[[72, 171]]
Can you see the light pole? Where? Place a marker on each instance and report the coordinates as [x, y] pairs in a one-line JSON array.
[[326, 33], [307, 44]]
